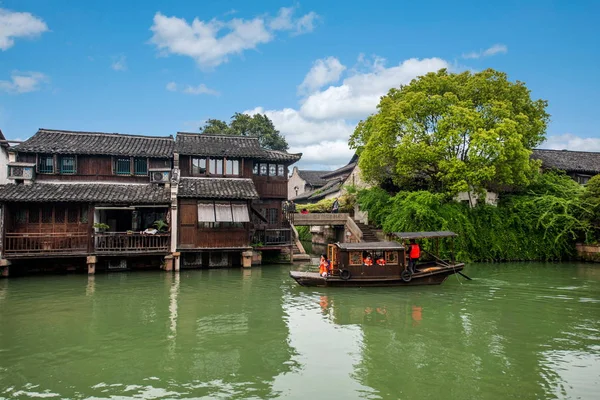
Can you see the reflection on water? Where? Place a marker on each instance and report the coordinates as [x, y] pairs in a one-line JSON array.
[[517, 331]]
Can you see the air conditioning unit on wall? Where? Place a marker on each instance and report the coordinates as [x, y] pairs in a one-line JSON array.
[[160, 175]]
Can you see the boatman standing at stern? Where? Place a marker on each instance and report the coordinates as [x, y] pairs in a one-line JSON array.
[[414, 252]]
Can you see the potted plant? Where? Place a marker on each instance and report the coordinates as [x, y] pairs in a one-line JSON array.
[[161, 226], [100, 226]]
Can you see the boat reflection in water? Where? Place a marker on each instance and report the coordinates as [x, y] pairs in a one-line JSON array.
[[487, 339]]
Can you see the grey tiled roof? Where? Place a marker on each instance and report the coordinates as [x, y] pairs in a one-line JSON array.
[[313, 196], [313, 178], [217, 188], [86, 192], [198, 144], [114, 144], [569, 161]]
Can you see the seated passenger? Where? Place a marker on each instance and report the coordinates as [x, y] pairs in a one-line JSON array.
[[324, 266], [380, 261], [368, 260]]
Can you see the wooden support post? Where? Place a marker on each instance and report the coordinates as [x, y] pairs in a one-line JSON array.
[[247, 259], [91, 264], [177, 260], [4, 267], [169, 263]]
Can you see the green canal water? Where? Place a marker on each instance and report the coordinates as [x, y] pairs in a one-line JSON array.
[[517, 331]]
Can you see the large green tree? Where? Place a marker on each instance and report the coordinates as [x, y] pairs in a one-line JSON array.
[[258, 125], [457, 132]]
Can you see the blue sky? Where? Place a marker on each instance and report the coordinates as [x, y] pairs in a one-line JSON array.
[[314, 67]]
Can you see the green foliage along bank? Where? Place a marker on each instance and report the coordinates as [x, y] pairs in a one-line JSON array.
[[542, 222]]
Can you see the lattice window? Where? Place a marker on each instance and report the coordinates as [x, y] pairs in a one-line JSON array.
[[21, 216], [72, 215], [123, 166], [84, 214], [46, 164], [356, 258], [273, 216], [67, 165], [280, 170], [255, 169], [59, 214], [140, 166], [272, 170], [263, 169], [391, 257], [47, 214], [34, 214]]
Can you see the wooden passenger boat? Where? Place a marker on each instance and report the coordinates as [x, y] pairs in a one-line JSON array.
[[389, 265]]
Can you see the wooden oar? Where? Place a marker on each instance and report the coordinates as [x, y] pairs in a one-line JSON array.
[[447, 264], [464, 276]]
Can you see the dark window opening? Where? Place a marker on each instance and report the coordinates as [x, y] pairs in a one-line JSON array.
[[140, 166], [122, 166], [46, 165]]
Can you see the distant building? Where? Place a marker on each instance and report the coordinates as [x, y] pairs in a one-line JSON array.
[[579, 165], [3, 159], [302, 181], [347, 175]]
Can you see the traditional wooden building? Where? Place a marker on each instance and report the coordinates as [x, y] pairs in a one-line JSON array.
[[101, 197], [579, 165], [230, 198]]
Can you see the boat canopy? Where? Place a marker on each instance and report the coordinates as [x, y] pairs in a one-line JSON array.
[[367, 246], [424, 235]]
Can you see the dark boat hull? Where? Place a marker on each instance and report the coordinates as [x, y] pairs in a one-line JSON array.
[[421, 278]]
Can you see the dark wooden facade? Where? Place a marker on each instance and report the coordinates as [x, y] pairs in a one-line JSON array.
[[94, 168], [193, 236]]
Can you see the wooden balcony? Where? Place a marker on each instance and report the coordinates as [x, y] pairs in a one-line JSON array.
[[38, 244], [266, 238], [122, 243]]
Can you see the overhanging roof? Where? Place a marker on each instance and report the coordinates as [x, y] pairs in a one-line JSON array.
[[217, 188], [423, 235], [86, 193]]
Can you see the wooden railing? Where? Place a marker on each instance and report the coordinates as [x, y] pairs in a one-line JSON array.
[[272, 237], [118, 242], [31, 244]]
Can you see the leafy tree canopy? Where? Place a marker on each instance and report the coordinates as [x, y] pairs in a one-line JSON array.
[[454, 131], [258, 125]]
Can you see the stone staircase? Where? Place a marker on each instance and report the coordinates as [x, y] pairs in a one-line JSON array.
[[368, 234]]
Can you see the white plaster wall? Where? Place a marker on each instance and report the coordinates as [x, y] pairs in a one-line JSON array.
[[3, 166], [295, 180]]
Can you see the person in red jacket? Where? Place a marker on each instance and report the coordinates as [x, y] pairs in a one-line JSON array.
[[414, 252], [324, 266]]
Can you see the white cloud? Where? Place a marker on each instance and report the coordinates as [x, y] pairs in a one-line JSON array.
[[285, 21], [23, 82], [120, 64], [18, 24], [492, 51], [569, 141], [321, 127], [300, 131], [359, 94], [324, 71], [205, 43], [200, 89], [172, 87], [189, 89]]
